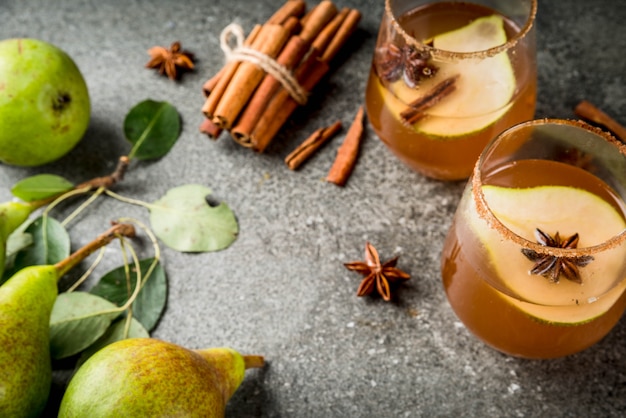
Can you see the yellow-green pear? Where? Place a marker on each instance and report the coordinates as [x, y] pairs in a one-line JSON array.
[[26, 302], [146, 377], [44, 102]]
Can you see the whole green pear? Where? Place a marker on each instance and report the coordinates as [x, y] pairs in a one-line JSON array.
[[146, 377], [44, 102], [26, 301], [12, 215]]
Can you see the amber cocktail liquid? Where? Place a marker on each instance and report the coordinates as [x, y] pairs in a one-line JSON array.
[[447, 77], [535, 261]]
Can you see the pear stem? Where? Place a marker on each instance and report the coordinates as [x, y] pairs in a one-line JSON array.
[[111, 180], [105, 182], [116, 231], [253, 361]]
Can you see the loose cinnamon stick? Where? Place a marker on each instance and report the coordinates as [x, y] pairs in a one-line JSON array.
[[289, 57], [248, 75], [416, 109], [226, 75], [346, 29], [591, 113], [347, 153], [282, 104], [307, 148]]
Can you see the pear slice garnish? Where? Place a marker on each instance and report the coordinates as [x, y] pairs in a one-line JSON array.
[[562, 209], [483, 90]]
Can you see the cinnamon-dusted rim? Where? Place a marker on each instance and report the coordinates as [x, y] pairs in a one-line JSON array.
[[485, 213], [450, 55]]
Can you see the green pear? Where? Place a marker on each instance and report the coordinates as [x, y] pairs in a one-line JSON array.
[[44, 102], [12, 215], [26, 302], [146, 377]]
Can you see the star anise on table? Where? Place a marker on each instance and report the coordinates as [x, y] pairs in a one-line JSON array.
[[378, 275], [171, 62], [393, 62], [552, 267]]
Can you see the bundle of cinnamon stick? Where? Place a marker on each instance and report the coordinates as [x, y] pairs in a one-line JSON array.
[[253, 104]]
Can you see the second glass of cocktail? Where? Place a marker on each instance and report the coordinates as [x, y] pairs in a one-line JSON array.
[[534, 263], [448, 76]]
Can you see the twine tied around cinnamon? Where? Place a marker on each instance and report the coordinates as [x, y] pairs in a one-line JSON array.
[[240, 52]]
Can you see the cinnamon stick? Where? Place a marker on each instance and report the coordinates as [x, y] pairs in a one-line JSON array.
[[226, 75], [308, 147], [283, 105], [254, 105], [210, 129], [317, 20], [248, 75], [348, 152], [348, 26], [416, 109], [290, 8], [289, 57], [211, 83], [591, 113], [326, 34]]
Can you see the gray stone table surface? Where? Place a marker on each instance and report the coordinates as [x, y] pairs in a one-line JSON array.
[[281, 289]]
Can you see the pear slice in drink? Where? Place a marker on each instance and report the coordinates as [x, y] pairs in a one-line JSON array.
[[552, 209], [483, 90]]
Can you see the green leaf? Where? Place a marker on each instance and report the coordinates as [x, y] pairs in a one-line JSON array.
[[78, 319], [153, 128], [16, 242], [50, 244], [41, 186], [116, 332], [185, 221], [150, 302]]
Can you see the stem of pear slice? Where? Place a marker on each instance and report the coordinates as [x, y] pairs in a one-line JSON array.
[[253, 361], [116, 231]]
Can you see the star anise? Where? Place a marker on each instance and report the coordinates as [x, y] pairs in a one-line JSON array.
[[377, 275], [393, 62], [170, 61], [552, 267]]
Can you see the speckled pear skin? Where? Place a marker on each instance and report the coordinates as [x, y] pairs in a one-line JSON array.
[[146, 377], [26, 301]]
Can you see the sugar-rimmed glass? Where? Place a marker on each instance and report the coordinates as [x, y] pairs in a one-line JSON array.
[[534, 263], [474, 60]]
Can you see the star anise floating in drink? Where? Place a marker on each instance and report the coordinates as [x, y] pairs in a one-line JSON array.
[[171, 62], [378, 276], [393, 62], [552, 267]]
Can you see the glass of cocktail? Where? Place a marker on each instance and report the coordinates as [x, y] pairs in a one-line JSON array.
[[534, 263], [448, 76]]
